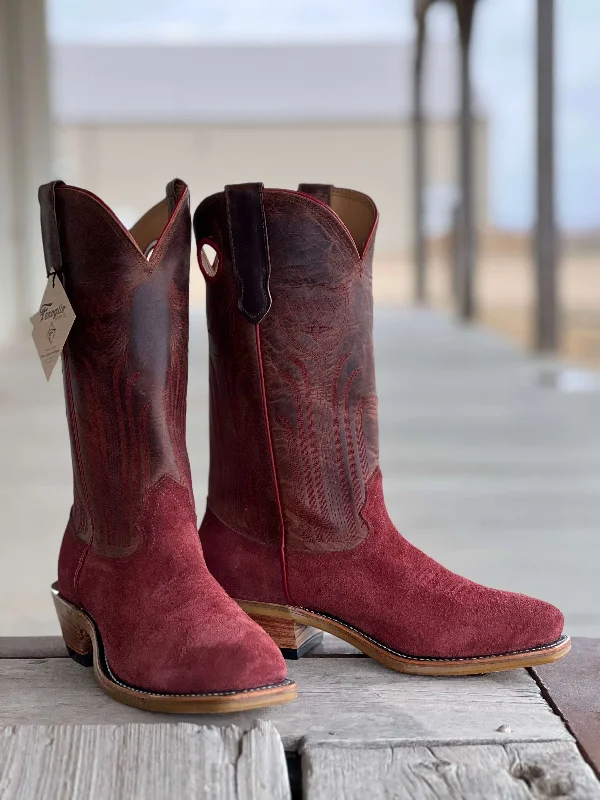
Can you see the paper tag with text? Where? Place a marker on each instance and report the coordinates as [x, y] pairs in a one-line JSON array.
[[51, 324]]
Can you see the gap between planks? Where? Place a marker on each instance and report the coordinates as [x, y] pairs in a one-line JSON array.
[[156, 762]]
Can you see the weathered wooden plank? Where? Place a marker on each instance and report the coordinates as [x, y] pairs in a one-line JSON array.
[[572, 686], [142, 762], [523, 771], [339, 699], [32, 647]]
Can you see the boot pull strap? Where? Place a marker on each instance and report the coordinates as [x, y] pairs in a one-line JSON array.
[[321, 191], [249, 248], [174, 190], [50, 234]]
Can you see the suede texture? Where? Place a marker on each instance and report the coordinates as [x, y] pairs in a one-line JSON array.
[[249, 570], [130, 556], [397, 594], [72, 552], [166, 624], [386, 588], [298, 396]]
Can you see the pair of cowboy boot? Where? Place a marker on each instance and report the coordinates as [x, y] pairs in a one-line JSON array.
[[296, 532]]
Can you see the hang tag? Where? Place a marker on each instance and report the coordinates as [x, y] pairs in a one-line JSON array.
[[51, 324]]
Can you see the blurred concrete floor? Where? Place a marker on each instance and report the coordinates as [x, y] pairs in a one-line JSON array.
[[487, 467]]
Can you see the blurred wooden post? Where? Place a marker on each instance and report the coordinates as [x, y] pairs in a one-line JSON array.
[[419, 244], [25, 158], [466, 257], [455, 254], [546, 320]]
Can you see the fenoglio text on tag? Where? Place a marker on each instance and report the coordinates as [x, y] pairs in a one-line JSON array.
[[52, 323]]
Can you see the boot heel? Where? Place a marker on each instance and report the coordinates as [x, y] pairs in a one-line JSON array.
[[293, 639], [72, 624]]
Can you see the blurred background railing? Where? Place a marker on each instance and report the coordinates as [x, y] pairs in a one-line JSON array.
[[546, 322], [543, 288]]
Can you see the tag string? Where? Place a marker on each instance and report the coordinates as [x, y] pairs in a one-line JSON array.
[[54, 274]]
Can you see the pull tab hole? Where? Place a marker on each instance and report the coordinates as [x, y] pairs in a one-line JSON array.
[[209, 260], [150, 248]]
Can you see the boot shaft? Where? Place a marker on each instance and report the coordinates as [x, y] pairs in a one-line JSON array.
[[125, 361], [293, 407]]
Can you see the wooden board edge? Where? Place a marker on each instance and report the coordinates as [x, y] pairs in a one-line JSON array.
[[571, 689], [32, 647]]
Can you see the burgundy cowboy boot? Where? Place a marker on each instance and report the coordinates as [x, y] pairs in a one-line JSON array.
[[134, 595], [296, 527]]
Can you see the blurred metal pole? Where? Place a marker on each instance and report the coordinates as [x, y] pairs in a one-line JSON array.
[[466, 257], [546, 320], [419, 244]]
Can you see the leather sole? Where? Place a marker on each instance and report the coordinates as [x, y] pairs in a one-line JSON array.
[[285, 623], [84, 644]]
